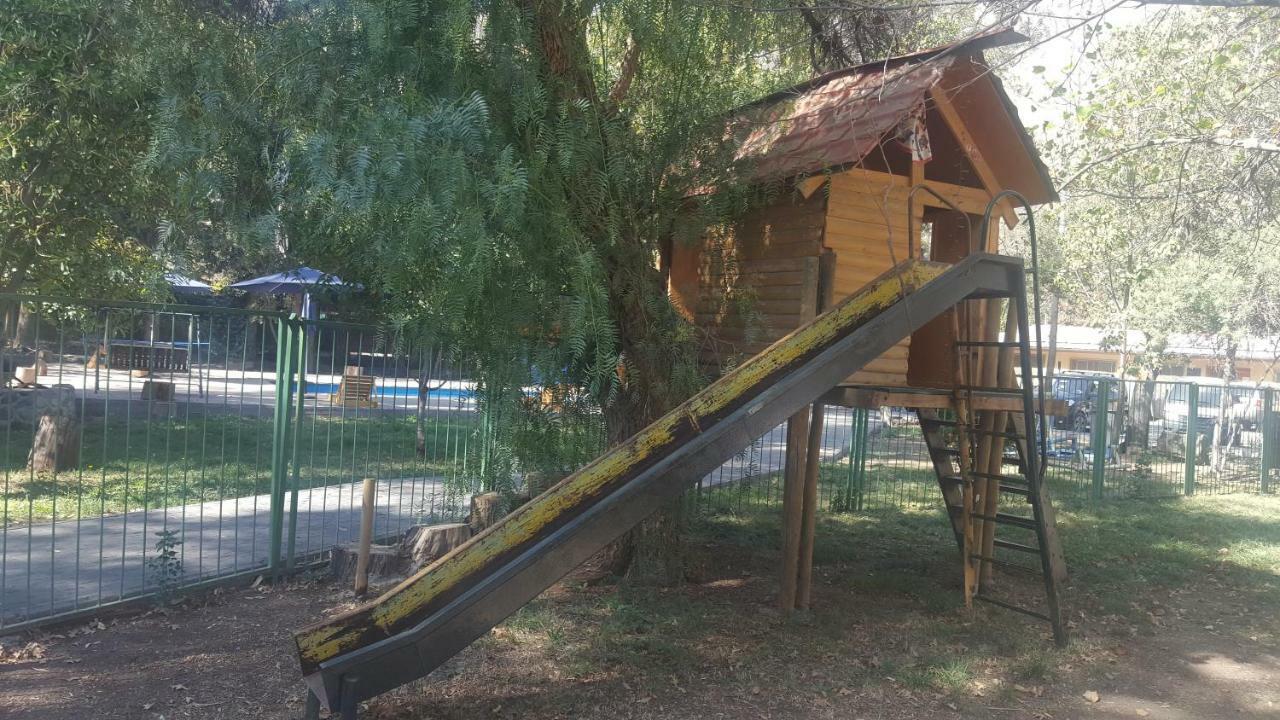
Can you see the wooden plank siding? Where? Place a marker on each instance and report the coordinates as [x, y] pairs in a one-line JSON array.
[[867, 228], [745, 285]]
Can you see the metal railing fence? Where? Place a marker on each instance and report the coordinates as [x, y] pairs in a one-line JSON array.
[[147, 448], [1119, 439], [150, 448]]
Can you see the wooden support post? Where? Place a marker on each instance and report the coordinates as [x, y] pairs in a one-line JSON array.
[[793, 507], [988, 443], [809, 516], [796, 572], [962, 376], [366, 537], [995, 458]]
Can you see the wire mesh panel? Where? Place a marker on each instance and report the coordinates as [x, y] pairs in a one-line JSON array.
[[135, 451], [374, 405]]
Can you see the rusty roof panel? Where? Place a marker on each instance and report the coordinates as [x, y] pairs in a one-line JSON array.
[[832, 123]]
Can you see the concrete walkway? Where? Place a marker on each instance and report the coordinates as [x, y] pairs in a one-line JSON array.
[[51, 568]]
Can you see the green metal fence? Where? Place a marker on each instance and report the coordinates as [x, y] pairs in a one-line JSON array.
[[149, 448], [1120, 439]]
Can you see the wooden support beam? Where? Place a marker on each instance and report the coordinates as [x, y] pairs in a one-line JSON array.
[[970, 200], [811, 184], [809, 513], [793, 508], [797, 456], [917, 212], [860, 396], [952, 117], [1003, 377]]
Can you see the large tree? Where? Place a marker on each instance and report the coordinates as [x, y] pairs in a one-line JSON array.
[[74, 217], [1168, 168], [504, 173]]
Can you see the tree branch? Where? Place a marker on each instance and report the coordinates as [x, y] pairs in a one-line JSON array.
[[1239, 144], [626, 75]]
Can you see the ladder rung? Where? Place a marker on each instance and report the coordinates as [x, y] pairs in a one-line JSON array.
[[977, 431], [1012, 480], [1009, 606], [989, 343], [1007, 565], [1016, 490], [1010, 489], [1007, 519], [1018, 547], [990, 390]]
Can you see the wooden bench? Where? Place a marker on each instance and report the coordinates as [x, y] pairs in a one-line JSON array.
[[145, 355], [355, 391]]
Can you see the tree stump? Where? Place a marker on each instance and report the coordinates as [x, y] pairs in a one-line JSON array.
[[25, 376], [424, 544], [56, 446], [486, 508], [157, 390], [384, 560]]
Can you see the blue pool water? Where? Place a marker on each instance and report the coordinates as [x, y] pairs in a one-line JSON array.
[[389, 391]]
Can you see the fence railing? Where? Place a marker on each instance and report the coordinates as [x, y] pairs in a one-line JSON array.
[[148, 448], [1120, 439]]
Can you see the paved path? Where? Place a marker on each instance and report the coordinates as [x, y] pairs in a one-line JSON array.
[[53, 568], [56, 567]]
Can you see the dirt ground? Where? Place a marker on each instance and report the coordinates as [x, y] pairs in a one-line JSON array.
[[884, 641]]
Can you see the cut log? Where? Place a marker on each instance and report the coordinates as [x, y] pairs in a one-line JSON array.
[[25, 376], [157, 390], [486, 509], [56, 446], [424, 544], [384, 560]]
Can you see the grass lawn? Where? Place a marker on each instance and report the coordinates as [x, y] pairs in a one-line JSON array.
[[1152, 583], [1173, 609], [161, 463]]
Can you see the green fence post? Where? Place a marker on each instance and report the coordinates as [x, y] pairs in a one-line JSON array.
[[1193, 439], [1266, 424], [861, 467], [1099, 439], [850, 504], [279, 438], [299, 375]]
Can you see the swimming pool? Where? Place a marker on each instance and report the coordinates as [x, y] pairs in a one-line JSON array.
[[392, 391]]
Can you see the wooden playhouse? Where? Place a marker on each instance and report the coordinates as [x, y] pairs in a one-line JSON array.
[[879, 163], [849, 146]]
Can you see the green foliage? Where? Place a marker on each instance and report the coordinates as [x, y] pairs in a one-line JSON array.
[[1169, 221], [73, 214], [502, 175], [164, 568]]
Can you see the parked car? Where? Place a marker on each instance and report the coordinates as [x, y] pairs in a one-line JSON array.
[[1080, 391], [1244, 408]]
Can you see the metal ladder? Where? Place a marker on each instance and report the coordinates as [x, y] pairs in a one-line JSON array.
[[968, 449]]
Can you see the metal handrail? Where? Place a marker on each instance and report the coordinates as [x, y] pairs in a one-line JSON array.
[[1034, 271]]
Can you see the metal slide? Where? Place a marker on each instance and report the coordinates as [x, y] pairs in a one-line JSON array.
[[422, 622]]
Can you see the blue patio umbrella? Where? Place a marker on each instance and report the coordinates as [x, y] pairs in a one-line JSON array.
[[299, 281], [181, 284]]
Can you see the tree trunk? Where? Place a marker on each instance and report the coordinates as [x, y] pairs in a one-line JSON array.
[[1220, 428], [1139, 430], [56, 446], [25, 335]]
